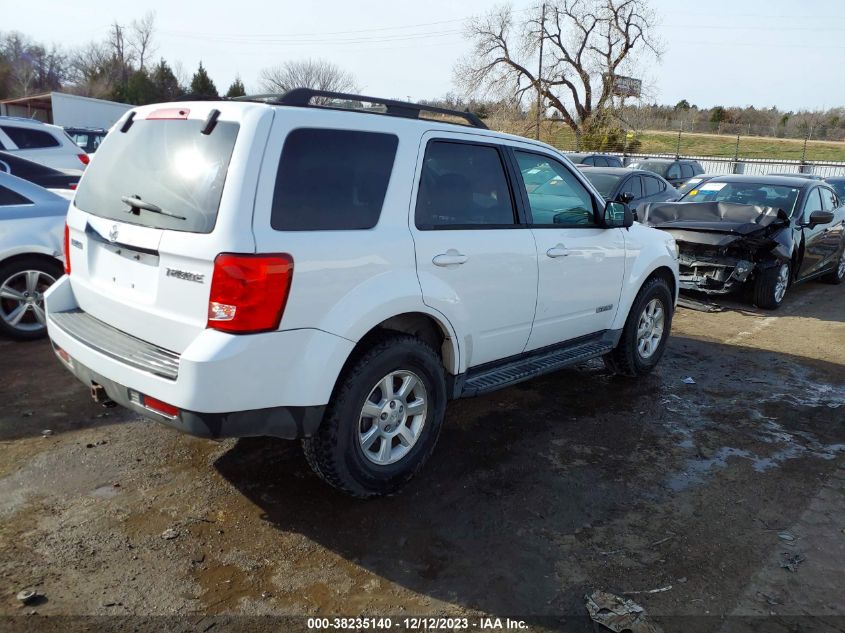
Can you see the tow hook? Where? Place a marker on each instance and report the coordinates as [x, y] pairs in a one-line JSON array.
[[99, 395]]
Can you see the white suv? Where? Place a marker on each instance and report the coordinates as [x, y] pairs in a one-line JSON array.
[[277, 268], [42, 143]]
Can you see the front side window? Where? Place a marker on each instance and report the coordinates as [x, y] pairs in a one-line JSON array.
[[9, 197], [26, 138], [633, 185], [813, 204], [555, 195], [463, 185], [332, 180], [829, 201]]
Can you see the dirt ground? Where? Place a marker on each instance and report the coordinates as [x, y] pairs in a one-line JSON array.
[[686, 498]]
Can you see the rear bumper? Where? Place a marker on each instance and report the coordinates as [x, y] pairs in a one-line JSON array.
[[224, 385], [284, 422]]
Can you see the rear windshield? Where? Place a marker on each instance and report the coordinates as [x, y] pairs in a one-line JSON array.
[[605, 183], [169, 164], [758, 194], [653, 166]]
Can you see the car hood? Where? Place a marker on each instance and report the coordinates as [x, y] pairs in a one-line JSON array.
[[712, 217]]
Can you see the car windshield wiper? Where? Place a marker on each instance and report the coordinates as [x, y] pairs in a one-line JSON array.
[[136, 203]]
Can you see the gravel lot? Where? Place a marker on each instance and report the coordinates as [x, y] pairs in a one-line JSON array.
[[535, 496]]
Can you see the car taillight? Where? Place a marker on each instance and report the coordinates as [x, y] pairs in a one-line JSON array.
[[67, 249], [72, 186], [158, 406], [249, 292], [84, 158]]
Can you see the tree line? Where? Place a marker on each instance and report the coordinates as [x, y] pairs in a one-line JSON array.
[[121, 67], [557, 61]]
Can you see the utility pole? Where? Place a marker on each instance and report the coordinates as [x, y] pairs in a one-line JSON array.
[[540, 72]]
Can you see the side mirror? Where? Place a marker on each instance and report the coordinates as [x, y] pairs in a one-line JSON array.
[[625, 197], [617, 215], [820, 217]]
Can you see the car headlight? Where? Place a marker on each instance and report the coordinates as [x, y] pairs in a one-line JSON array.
[[672, 249]]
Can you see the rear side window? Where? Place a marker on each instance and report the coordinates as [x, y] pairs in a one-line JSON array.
[[9, 197], [168, 163], [332, 180], [651, 186], [26, 138], [463, 185], [613, 161]]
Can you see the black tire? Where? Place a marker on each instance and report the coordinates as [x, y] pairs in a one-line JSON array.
[[837, 275], [626, 359], [335, 452], [765, 287], [12, 277]]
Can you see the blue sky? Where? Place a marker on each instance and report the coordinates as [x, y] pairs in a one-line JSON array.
[[729, 52]]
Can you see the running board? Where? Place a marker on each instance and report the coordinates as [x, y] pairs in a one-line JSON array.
[[485, 379]]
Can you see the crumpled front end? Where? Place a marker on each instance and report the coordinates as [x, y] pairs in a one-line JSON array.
[[722, 246], [713, 270]]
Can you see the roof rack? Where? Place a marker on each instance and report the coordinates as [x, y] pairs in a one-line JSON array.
[[301, 97]]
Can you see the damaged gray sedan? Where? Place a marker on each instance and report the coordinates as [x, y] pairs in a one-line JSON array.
[[759, 233]]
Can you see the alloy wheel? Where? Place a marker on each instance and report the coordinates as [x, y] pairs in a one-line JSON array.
[[650, 328], [22, 300], [393, 417]]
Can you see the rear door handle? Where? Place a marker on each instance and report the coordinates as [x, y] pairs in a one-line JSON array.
[[449, 258], [558, 250]]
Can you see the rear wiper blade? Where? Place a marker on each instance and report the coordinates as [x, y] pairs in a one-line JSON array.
[[136, 203]]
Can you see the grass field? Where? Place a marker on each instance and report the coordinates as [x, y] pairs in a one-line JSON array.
[[658, 142]]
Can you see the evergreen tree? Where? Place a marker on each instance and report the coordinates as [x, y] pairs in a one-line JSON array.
[[140, 89], [167, 87], [236, 89], [202, 86]]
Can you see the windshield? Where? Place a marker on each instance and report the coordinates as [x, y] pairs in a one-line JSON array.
[[653, 166], [605, 183], [168, 164], [689, 185], [758, 194]]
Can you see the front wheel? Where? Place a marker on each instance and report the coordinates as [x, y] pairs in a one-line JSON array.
[[23, 282], [384, 419], [646, 331], [770, 286]]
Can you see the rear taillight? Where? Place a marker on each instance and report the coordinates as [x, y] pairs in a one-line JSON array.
[[249, 292], [67, 249], [84, 158], [72, 186]]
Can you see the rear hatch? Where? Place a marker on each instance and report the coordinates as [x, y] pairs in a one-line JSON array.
[[171, 187]]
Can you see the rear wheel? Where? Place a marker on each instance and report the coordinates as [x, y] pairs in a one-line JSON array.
[[771, 285], [837, 275], [646, 331], [23, 283], [384, 419]]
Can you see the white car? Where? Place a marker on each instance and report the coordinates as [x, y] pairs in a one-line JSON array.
[[276, 268], [42, 143], [32, 221]]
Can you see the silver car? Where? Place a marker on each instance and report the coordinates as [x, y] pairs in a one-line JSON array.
[[32, 221]]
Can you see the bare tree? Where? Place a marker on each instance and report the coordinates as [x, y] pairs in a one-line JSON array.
[[310, 73], [141, 41], [121, 54], [586, 44]]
